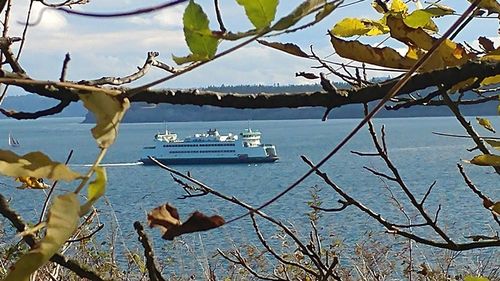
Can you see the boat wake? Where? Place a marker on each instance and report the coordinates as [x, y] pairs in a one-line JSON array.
[[110, 164]]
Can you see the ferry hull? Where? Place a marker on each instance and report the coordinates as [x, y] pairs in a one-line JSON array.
[[196, 161]]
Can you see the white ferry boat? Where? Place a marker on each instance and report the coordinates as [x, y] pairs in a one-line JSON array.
[[210, 148]]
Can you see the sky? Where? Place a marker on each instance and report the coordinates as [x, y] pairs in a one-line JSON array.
[[116, 47]]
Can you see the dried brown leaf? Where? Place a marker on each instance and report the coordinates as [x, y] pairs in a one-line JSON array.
[[167, 218]]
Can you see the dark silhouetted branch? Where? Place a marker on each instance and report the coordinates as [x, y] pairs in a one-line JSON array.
[[86, 237], [452, 75], [9, 56], [64, 69], [151, 265], [34, 115], [391, 228]]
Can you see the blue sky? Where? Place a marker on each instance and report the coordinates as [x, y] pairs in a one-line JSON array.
[[115, 47]]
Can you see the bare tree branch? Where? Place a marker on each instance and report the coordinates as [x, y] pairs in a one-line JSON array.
[[448, 76], [151, 264], [34, 115]]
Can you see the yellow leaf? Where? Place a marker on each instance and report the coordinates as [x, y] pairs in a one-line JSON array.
[[385, 57], [34, 164], [493, 56], [475, 278], [95, 190], [486, 160], [62, 221], [32, 183], [398, 6], [349, 27], [491, 80], [352, 26], [108, 111], [486, 123], [447, 54], [494, 143]]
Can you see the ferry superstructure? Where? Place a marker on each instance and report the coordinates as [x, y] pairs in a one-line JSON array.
[[210, 148]]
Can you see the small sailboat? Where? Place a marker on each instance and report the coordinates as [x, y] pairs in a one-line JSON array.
[[13, 142]]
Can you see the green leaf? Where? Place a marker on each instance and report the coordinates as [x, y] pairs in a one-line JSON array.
[[260, 12], [108, 111], [300, 12], [188, 59], [475, 278], [422, 18], [198, 35], [486, 160], [36, 165], [95, 190], [62, 221], [486, 123], [287, 48]]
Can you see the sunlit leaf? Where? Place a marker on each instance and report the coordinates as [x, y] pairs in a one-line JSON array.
[[32, 183], [285, 47], [62, 221], [108, 111], [95, 190], [486, 123], [475, 278], [486, 43], [398, 6], [167, 219], [493, 80], [420, 18], [260, 12], [385, 57], [304, 9], [494, 143], [486, 160], [447, 54], [34, 164], [423, 17], [352, 26], [491, 5], [493, 56], [199, 38]]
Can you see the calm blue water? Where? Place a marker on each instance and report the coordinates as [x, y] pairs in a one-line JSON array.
[[133, 190]]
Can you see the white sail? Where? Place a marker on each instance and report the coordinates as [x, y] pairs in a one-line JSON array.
[[12, 141]]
